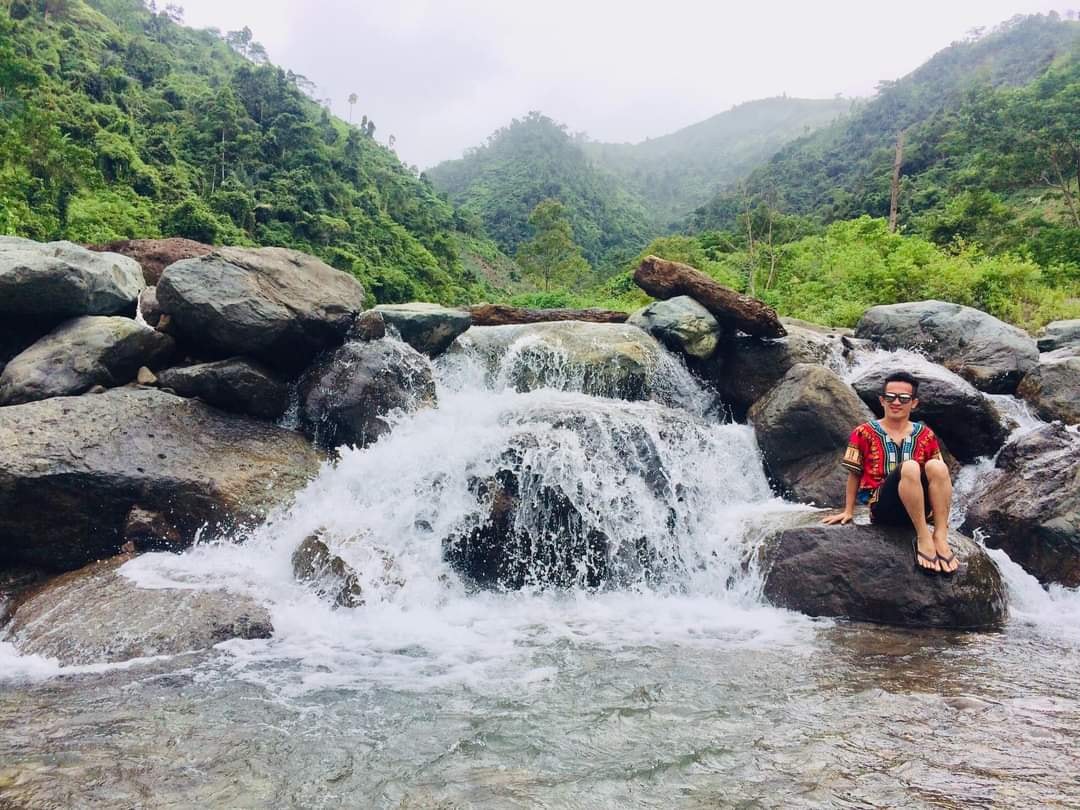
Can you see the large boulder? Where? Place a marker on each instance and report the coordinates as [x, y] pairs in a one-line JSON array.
[[55, 281], [81, 353], [238, 385], [72, 468], [746, 368], [681, 324], [1053, 387], [802, 426], [346, 397], [965, 419], [990, 354], [1060, 335], [867, 573], [1030, 506], [98, 615], [601, 359], [428, 328], [154, 255], [275, 304]]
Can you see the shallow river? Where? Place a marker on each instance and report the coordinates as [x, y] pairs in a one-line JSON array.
[[677, 691]]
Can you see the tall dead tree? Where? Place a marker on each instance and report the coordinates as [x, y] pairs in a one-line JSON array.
[[894, 200]]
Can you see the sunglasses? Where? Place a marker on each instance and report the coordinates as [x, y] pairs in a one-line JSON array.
[[903, 398]]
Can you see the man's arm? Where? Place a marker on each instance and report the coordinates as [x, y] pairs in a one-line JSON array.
[[849, 501]]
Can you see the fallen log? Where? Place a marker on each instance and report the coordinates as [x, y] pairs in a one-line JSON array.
[[663, 279], [503, 315]]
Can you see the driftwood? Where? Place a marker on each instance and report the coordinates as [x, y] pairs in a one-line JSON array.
[[663, 279], [502, 315]]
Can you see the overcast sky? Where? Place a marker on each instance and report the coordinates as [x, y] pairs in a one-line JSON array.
[[441, 76]]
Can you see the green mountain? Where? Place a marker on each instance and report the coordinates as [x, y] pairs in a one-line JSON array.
[[991, 149], [116, 121], [531, 160], [676, 173]]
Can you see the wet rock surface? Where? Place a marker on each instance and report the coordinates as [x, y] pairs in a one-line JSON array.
[[802, 426], [428, 328], [326, 574], [965, 420], [98, 615], [237, 385], [346, 396], [1031, 507], [867, 573], [71, 469], [81, 353], [681, 324], [1053, 387], [368, 325], [278, 305], [990, 354]]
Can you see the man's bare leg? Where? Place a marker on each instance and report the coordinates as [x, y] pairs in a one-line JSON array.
[[941, 502], [911, 495]]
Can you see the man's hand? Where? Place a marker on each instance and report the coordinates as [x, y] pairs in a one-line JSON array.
[[841, 518]]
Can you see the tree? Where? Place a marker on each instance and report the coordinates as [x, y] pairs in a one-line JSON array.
[[352, 103], [551, 257]]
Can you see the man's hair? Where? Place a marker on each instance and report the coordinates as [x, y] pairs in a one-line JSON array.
[[902, 376]]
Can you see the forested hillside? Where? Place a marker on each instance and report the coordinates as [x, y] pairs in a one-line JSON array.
[[676, 173], [991, 149], [117, 121], [534, 159]]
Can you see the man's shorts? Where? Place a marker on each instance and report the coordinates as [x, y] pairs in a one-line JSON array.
[[887, 509]]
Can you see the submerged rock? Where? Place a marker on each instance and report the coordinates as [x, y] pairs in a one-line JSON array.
[[990, 354], [1030, 508], [600, 359], [867, 573], [681, 324], [802, 426], [278, 305], [1053, 387], [71, 469], [81, 353], [965, 420], [428, 328], [1060, 335], [238, 385], [328, 575], [97, 615], [346, 396]]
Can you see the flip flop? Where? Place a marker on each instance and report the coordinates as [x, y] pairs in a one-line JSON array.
[[922, 568], [946, 572]]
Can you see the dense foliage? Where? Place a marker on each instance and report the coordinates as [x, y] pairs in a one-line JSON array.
[[991, 149], [119, 122]]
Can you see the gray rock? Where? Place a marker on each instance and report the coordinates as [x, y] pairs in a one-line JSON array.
[[746, 368], [81, 353], [368, 326], [1053, 387], [1060, 335], [346, 396], [599, 359], [962, 417], [97, 615], [1030, 507], [681, 324], [71, 469], [55, 281], [990, 354], [328, 575], [149, 308], [280, 306], [237, 385], [802, 426], [867, 573], [428, 328]]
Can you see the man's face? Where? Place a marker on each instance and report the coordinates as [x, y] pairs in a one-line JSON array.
[[898, 392]]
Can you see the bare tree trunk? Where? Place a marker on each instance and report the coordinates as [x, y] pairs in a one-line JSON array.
[[894, 199]]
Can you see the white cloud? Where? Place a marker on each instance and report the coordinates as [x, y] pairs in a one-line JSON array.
[[441, 76]]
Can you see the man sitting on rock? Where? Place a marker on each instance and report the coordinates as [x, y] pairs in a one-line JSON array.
[[895, 466]]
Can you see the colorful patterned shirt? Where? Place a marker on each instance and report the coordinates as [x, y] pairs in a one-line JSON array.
[[872, 455]]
